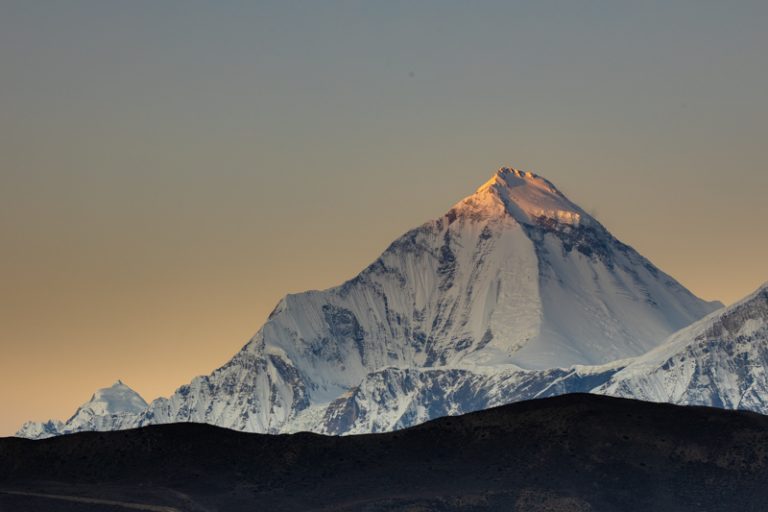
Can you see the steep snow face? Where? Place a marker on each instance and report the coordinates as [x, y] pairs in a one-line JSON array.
[[513, 279], [596, 299], [252, 393], [109, 408], [719, 361]]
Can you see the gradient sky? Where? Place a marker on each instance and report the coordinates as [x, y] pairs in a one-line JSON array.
[[171, 169]]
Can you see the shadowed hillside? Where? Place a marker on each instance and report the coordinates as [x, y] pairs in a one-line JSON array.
[[568, 453]]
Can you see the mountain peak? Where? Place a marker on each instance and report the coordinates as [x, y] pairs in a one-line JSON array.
[[107, 409], [526, 196], [116, 399], [513, 177]]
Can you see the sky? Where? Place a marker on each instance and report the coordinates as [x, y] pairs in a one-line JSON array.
[[169, 170]]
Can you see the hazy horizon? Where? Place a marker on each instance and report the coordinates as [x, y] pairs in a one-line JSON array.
[[171, 171]]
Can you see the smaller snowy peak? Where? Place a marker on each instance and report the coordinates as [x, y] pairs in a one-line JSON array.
[[38, 430], [116, 399], [525, 196], [107, 409]]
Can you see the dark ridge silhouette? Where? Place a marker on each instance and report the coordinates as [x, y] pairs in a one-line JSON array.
[[574, 452]]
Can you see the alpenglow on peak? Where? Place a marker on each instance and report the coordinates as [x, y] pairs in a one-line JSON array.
[[525, 196]]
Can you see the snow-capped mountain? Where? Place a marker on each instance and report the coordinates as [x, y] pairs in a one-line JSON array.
[[719, 361], [111, 408], [476, 306]]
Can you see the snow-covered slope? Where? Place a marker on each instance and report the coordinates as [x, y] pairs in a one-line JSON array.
[[41, 430], [111, 408], [719, 361], [511, 280], [395, 398]]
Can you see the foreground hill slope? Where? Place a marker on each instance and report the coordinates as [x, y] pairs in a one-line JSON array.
[[569, 453]]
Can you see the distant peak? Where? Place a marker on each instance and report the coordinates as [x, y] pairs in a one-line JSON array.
[[525, 196], [117, 398]]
